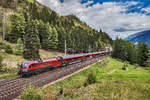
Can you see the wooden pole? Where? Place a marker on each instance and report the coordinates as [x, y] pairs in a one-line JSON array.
[[3, 35], [65, 47]]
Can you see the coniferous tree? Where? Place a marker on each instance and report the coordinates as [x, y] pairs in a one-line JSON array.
[[45, 33], [54, 39], [18, 28], [18, 48], [31, 41], [46, 15], [34, 12], [61, 37], [131, 52], [142, 53]]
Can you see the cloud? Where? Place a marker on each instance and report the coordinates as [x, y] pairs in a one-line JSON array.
[[111, 17], [147, 9], [131, 3]]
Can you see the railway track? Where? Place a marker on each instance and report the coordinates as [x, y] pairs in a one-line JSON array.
[[11, 88]]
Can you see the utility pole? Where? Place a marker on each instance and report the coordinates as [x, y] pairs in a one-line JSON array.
[[89, 48], [3, 35], [65, 47]]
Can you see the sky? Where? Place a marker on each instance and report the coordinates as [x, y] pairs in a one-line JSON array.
[[119, 18]]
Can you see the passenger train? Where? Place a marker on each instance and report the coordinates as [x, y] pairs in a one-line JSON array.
[[32, 67]]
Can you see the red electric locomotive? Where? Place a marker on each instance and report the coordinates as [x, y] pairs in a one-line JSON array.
[[28, 68]]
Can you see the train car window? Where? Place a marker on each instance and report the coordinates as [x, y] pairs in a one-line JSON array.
[[24, 65], [31, 65]]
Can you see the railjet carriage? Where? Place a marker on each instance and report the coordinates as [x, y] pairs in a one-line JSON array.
[[32, 67]]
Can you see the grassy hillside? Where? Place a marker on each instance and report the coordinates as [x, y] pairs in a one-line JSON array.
[[112, 83]]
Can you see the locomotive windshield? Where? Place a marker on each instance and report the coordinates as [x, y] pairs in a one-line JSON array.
[[24, 65]]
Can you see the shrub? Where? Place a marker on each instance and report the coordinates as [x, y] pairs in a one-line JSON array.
[[125, 66], [8, 49], [2, 45], [31, 93], [69, 91], [91, 78], [49, 95]]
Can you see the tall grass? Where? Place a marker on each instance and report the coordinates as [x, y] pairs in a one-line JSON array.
[[109, 90], [31, 93], [34, 93]]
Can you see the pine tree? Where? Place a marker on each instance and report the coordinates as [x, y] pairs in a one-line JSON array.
[[31, 41], [34, 12], [45, 32], [142, 53], [18, 48], [18, 28], [131, 52], [54, 39], [61, 37], [46, 15]]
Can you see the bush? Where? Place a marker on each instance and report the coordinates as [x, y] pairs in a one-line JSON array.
[[2, 45], [8, 49], [91, 78], [49, 95], [31, 93], [125, 66]]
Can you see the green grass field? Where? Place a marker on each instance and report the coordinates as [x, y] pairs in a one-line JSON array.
[[113, 83]]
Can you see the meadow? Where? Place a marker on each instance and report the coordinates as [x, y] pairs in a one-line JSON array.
[[112, 83]]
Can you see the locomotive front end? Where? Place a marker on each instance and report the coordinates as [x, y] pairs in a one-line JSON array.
[[24, 69]]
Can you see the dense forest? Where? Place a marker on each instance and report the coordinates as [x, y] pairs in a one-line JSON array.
[[40, 27]]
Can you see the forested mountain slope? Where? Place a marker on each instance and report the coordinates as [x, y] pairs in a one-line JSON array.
[[53, 29]]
